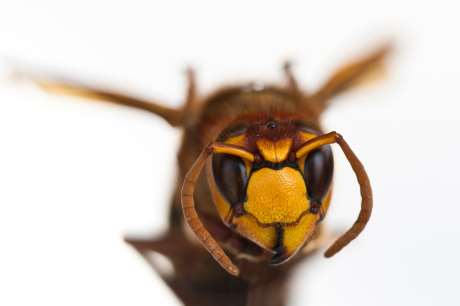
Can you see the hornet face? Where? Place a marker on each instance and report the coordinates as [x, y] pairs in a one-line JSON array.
[[277, 199]]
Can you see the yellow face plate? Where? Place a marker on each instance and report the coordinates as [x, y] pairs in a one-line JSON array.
[[276, 196]]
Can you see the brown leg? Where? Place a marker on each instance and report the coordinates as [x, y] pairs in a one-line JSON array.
[[352, 74], [191, 90], [164, 245], [291, 80], [192, 103], [173, 116], [197, 280]]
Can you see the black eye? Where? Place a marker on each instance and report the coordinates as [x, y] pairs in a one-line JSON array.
[[318, 169], [230, 175]]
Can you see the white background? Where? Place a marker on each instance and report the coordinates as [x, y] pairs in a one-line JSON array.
[[75, 176]]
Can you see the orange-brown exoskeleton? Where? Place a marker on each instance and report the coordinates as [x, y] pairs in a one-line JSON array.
[[255, 172]]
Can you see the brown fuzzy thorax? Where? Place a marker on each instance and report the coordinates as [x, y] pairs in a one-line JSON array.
[[227, 110]]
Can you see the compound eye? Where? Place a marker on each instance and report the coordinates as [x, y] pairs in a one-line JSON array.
[[230, 176], [318, 170]]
